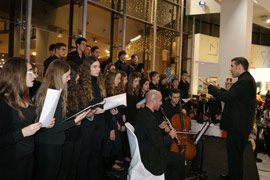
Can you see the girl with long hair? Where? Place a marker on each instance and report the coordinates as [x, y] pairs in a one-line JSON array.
[[133, 87], [144, 88], [49, 142], [17, 123], [112, 142], [92, 128], [72, 145]]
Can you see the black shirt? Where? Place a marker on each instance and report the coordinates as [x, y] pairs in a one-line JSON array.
[[47, 62], [154, 86], [74, 57], [184, 87], [120, 65], [170, 110], [55, 135]]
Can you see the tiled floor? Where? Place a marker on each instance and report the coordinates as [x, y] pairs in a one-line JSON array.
[[264, 167]]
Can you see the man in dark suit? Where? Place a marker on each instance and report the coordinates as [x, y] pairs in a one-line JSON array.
[[238, 114], [153, 144]]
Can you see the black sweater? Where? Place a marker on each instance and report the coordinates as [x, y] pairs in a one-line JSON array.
[[56, 134], [12, 142]]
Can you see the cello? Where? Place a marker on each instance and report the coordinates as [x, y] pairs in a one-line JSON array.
[[182, 124]]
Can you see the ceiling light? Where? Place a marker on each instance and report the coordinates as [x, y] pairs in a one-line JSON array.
[[34, 53], [136, 38], [107, 51], [267, 20], [202, 3]]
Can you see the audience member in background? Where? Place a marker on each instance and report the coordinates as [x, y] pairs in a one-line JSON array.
[[17, 124], [214, 107], [92, 127], [36, 85], [134, 63], [121, 64], [184, 85], [60, 53], [87, 51], [95, 51], [49, 59], [49, 142], [72, 146], [154, 78], [78, 56], [163, 85]]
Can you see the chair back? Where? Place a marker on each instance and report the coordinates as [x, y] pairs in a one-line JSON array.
[[136, 169]]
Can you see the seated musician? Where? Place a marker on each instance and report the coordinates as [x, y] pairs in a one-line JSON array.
[[172, 105], [155, 155]]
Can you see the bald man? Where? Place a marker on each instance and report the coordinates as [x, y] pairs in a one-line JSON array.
[[154, 144]]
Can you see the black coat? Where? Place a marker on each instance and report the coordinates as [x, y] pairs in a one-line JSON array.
[[152, 143], [240, 99]]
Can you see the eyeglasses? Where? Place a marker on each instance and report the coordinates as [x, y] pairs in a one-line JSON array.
[[32, 72]]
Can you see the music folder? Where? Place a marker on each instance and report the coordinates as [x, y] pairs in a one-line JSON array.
[[94, 106]]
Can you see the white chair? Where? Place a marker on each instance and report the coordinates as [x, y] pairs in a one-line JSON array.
[[136, 169]]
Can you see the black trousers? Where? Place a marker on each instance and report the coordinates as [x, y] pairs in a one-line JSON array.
[[70, 158], [90, 166], [236, 143], [48, 159], [24, 167], [175, 166]]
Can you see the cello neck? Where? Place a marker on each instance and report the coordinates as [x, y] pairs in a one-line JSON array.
[[181, 116]]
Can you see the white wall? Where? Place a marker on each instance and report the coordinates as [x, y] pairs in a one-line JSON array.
[[261, 75]]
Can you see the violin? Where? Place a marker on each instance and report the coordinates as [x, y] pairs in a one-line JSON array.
[[182, 124]]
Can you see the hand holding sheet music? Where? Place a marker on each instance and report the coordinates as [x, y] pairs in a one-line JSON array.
[[115, 101], [49, 106]]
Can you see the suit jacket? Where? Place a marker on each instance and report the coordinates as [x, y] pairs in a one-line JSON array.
[[152, 143], [240, 99]]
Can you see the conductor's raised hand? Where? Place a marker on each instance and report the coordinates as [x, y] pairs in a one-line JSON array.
[[80, 117], [31, 129], [205, 81]]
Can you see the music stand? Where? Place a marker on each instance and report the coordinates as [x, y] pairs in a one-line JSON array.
[[198, 138]]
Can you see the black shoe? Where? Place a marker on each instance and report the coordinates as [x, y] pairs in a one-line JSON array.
[[118, 169], [225, 176], [111, 175]]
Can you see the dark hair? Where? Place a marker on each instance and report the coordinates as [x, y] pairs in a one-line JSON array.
[[175, 79], [79, 40], [152, 74], [133, 56], [162, 76], [183, 72], [88, 46], [52, 47], [59, 45], [94, 48], [241, 60], [121, 53], [174, 91]]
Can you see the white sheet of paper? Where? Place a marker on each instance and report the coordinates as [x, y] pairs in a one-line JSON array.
[[49, 106], [143, 101], [186, 100], [115, 101]]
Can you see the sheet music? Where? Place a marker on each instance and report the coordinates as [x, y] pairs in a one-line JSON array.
[[201, 133], [143, 101], [186, 100], [115, 101], [85, 109], [49, 106]]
